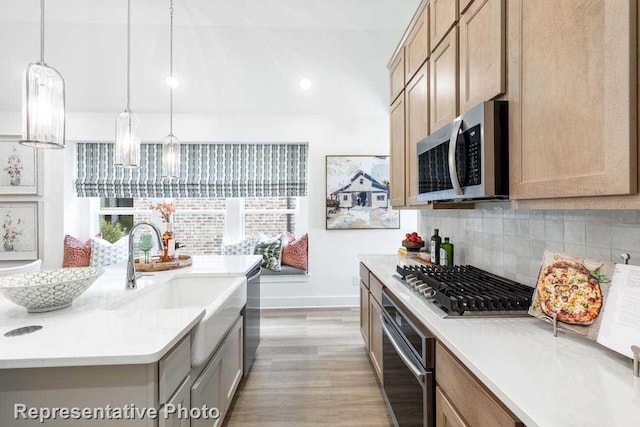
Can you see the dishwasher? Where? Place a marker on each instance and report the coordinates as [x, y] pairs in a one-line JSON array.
[[408, 357], [252, 318]]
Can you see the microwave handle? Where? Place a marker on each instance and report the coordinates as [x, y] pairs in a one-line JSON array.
[[453, 144]]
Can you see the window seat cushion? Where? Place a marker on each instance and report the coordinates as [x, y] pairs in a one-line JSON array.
[[285, 270]]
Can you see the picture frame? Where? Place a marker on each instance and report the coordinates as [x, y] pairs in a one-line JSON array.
[[19, 231], [357, 193], [20, 168]]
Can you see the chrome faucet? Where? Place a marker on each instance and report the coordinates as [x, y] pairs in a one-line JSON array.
[[131, 269]]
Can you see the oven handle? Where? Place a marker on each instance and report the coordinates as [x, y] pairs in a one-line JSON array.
[[419, 373], [453, 168]]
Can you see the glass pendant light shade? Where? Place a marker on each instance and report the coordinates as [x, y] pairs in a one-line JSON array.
[[171, 157], [42, 102], [127, 140], [43, 107]]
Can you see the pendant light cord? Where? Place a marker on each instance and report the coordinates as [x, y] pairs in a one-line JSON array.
[[129, 55], [171, 69], [42, 31]]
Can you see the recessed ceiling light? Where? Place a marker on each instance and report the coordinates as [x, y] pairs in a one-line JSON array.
[[172, 81], [305, 84]]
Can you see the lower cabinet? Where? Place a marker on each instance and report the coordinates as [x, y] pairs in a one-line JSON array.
[[218, 382], [375, 336], [364, 314], [446, 415], [467, 401], [179, 402]]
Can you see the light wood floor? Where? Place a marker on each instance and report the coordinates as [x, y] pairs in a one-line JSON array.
[[311, 369]]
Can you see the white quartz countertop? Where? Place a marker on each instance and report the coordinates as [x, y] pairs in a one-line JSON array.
[[545, 381], [91, 333]]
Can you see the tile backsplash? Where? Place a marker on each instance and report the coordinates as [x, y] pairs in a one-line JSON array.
[[511, 242]]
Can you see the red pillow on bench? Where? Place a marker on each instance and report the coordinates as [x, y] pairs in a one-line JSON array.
[[76, 253], [296, 253]]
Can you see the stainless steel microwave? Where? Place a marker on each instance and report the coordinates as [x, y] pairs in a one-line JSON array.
[[468, 158]]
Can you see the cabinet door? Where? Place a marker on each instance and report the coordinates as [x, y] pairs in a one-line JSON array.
[[464, 4], [364, 314], [417, 127], [397, 75], [179, 403], [443, 16], [207, 390], [397, 190], [232, 362], [417, 46], [573, 99], [375, 337], [482, 53], [444, 82], [446, 415]]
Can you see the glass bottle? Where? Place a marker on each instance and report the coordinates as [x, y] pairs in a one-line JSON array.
[[446, 252], [169, 242], [435, 247]]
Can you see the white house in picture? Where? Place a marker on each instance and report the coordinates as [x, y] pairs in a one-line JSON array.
[[362, 190]]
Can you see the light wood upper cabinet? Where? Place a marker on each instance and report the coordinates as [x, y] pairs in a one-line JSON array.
[[446, 415], [397, 150], [482, 52], [443, 16], [464, 4], [417, 46], [444, 82], [573, 98], [417, 127], [397, 75]]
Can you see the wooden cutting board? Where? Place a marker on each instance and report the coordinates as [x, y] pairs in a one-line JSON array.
[[156, 265]]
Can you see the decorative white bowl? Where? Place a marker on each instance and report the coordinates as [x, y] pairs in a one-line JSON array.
[[48, 290]]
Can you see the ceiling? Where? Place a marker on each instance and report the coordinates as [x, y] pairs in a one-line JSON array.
[[230, 55]]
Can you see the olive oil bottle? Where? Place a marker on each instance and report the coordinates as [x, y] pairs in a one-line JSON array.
[[434, 247], [446, 252]]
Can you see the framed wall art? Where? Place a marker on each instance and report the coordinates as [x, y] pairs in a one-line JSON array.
[[20, 231], [357, 193], [19, 168]]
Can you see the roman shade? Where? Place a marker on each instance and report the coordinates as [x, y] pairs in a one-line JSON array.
[[206, 170]]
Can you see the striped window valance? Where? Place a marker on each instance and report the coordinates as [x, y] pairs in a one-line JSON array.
[[206, 170]]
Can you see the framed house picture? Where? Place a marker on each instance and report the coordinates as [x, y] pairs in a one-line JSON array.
[[357, 193], [19, 168], [20, 231]]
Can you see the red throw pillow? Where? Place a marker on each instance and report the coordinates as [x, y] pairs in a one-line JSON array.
[[76, 253], [296, 253]]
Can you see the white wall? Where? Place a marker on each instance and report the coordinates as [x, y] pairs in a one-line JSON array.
[[333, 254]]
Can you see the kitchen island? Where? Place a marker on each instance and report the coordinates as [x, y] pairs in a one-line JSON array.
[[544, 381], [131, 347]]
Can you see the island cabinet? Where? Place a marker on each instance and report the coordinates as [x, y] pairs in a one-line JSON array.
[[461, 400], [573, 100], [370, 312], [218, 381]]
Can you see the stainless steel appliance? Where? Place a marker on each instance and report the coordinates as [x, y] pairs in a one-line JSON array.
[[464, 290], [252, 318], [408, 357], [468, 158]]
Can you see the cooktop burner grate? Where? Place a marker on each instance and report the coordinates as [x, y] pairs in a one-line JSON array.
[[467, 290]]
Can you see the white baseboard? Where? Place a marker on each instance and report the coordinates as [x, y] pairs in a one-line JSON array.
[[267, 302]]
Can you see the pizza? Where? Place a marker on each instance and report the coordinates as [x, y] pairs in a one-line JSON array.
[[569, 290]]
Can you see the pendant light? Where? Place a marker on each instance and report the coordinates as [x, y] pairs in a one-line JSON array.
[[127, 124], [43, 121], [170, 144]]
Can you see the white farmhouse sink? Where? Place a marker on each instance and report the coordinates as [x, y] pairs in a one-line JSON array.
[[222, 297]]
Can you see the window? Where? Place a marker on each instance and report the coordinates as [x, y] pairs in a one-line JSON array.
[[345, 197], [380, 197], [361, 180], [201, 223]]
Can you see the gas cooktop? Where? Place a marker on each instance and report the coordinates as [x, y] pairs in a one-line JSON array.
[[464, 290]]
